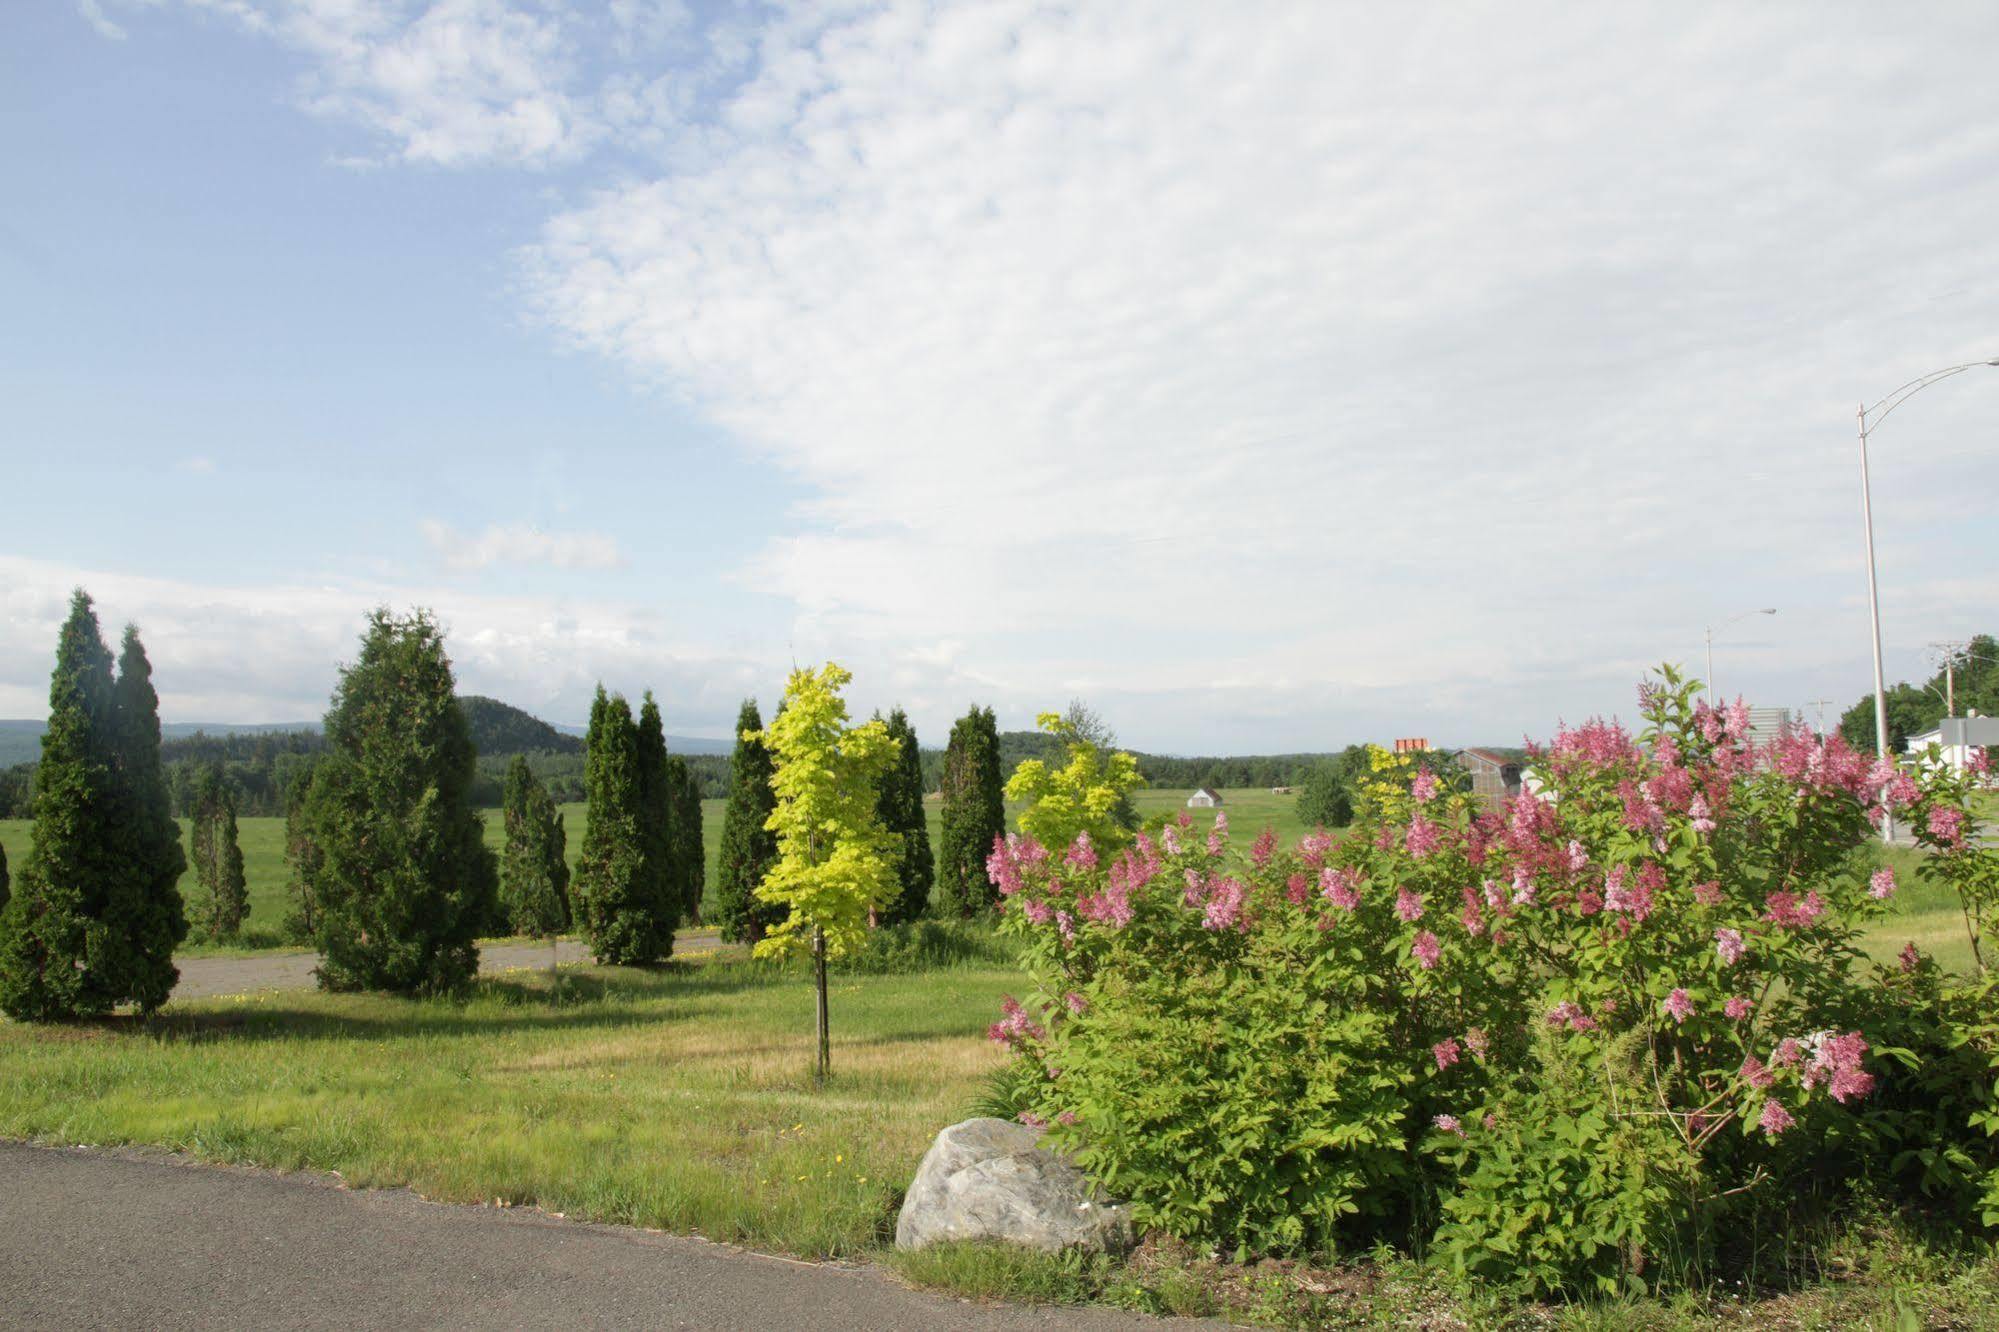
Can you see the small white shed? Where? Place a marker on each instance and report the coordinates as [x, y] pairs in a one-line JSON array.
[[1205, 798]]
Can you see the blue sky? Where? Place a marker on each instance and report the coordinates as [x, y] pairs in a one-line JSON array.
[[1316, 376]]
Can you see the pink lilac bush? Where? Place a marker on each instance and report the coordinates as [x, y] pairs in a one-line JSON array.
[[1679, 900]]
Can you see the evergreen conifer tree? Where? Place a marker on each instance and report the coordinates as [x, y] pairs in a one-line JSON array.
[[302, 855], [658, 836], [973, 814], [534, 871], [4, 884], [686, 871], [403, 878], [144, 918], [623, 908], [900, 811], [218, 858], [95, 917], [748, 846]]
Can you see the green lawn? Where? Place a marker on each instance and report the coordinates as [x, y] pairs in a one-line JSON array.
[[680, 1098]]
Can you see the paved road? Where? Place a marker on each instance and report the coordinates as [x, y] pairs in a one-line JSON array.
[[110, 1239], [201, 977]]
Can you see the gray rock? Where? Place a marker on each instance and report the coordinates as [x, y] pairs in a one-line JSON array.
[[990, 1179]]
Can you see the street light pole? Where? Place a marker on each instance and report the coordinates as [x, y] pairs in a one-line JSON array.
[[1762, 610], [1879, 412]]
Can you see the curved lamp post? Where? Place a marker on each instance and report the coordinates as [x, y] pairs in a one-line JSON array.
[[1766, 610], [1870, 419]]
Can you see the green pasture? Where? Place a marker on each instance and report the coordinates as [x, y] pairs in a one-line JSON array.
[[679, 1098]]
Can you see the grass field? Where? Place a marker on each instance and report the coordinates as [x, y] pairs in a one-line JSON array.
[[680, 1098]]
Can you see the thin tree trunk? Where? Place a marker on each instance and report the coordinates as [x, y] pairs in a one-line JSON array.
[[819, 985]]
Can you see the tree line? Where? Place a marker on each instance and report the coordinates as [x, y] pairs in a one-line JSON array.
[[1972, 684]]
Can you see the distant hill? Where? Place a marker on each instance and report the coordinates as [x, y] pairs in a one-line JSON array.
[[21, 739], [501, 728]]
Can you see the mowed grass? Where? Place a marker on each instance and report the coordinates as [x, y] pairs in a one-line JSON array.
[[680, 1098]]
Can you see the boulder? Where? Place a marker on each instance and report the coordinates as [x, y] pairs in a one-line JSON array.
[[991, 1179]]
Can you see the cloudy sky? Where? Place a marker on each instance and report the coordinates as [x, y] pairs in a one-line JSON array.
[[1321, 373]]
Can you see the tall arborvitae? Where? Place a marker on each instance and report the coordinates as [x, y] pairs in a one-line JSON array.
[[302, 855], [658, 836], [748, 847], [623, 910], [689, 857], [403, 878], [96, 914], [973, 814], [900, 811], [4, 883], [224, 900], [144, 919], [534, 870]]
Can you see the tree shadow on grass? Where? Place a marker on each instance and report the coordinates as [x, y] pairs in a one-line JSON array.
[[492, 1005]]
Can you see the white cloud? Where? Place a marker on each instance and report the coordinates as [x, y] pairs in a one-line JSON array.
[[93, 14], [521, 544], [448, 82], [1485, 354], [200, 465], [270, 652], [1279, 374]]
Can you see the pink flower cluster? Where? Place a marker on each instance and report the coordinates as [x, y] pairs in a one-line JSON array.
[[1426, 950], [1015, 1027], [1946, 824], [1787, 909], [1341, 887], [1570, 1014], [1728, 944], [1835, 1061]]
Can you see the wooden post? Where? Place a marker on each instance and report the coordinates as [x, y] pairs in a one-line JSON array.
[[819, 985]]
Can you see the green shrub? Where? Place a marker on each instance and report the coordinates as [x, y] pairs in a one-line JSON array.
[[1576, 1042]]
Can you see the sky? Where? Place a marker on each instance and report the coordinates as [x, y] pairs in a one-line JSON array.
[[1274, 377]]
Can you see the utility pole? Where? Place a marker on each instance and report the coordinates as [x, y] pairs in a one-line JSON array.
[[1820, 703], [1950, 651]]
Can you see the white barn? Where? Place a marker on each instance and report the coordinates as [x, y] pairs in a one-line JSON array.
[[1205, 798]]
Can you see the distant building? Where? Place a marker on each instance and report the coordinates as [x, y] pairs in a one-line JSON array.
[[1494, 777], [1955, 738], [1766, 724], [1205, 798], [1280, 790], [1412, 745]]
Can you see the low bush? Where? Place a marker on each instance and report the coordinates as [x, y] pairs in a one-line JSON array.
[[1583, 1041], [929, 945]]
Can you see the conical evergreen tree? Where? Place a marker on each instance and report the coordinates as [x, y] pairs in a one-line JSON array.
[[617, 895], [143, 917], [658, 836], [974, 814], [224, 898], [690, 869], [534, 871], [302, 855], [5, 887], [900, 811], [404, 877], [748, 848], [72, 937]]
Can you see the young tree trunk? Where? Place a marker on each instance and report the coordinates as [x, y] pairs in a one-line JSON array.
[[819, 986]]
